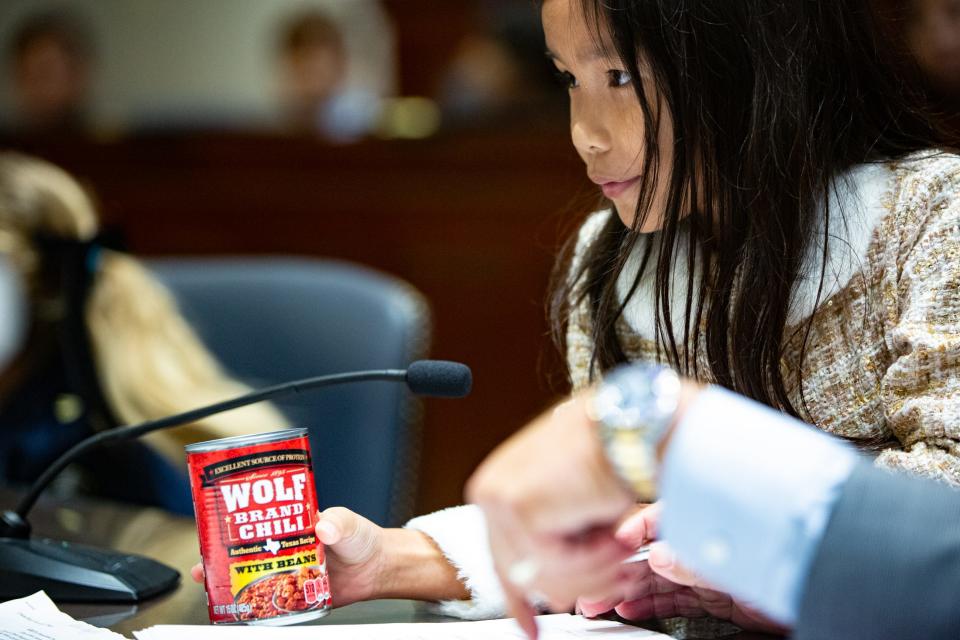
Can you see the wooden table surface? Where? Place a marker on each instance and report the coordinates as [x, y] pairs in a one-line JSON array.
[[173, 540]]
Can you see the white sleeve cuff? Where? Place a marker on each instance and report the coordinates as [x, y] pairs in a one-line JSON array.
[[747, 492], [461, 534]]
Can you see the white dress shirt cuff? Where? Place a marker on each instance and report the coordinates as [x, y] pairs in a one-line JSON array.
[[747, 492]]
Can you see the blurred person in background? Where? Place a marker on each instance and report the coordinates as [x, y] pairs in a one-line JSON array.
[[51, 60], [316, 95], [91, 340], [927, 32], [933, 34], [498, 74]]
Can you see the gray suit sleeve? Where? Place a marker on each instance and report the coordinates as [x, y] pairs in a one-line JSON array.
[[889, 562]]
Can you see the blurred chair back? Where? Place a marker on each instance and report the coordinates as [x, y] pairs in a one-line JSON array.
[[270, 320]]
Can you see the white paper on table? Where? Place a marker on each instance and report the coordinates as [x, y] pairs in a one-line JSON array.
[[36, 617], [552, 627]]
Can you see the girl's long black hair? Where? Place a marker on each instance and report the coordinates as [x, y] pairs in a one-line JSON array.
[[770, 102]]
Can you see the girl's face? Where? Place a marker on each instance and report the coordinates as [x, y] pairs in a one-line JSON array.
[[606, 120]]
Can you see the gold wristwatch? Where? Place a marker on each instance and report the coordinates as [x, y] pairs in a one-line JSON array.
[[632, 408]]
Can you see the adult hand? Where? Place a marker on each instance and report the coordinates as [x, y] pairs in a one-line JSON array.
[[663, 588], [366, 561], [552, 503]]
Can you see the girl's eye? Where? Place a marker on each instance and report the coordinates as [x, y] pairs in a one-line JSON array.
[[565, 78], [618, 78]]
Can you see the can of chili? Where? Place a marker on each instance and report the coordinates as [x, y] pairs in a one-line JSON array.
[[256, 506]]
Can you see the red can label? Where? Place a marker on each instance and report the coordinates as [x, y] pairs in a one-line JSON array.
[[256, 506]]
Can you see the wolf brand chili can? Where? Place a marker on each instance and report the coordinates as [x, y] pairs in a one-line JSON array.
[[256, 508]]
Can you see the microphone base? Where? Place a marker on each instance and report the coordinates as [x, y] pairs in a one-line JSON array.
[[70, 572]]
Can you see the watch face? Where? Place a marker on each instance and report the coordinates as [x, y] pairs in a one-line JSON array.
[[636, 397], [606, 403]]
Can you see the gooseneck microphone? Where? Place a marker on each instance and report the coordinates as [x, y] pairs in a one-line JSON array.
[[432, 378], [436, 378], [439, 379]]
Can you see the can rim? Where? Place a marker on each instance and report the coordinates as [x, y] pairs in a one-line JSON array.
[[240, 441]]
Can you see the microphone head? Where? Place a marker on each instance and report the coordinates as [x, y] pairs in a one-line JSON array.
[[439, 378]]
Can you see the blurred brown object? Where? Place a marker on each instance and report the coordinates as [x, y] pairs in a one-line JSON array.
[[927, 32], [933, 34], [51, 60], [428, 33], [498, 74]]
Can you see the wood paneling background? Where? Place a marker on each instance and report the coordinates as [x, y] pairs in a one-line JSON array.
[[471, 220]]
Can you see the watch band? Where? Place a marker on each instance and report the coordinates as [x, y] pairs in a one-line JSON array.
[[633, 407]]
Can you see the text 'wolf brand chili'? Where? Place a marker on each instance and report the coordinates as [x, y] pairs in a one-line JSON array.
[[256, 508]]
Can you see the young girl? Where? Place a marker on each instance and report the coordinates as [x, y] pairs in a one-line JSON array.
[[779, 221], [89, 340]]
